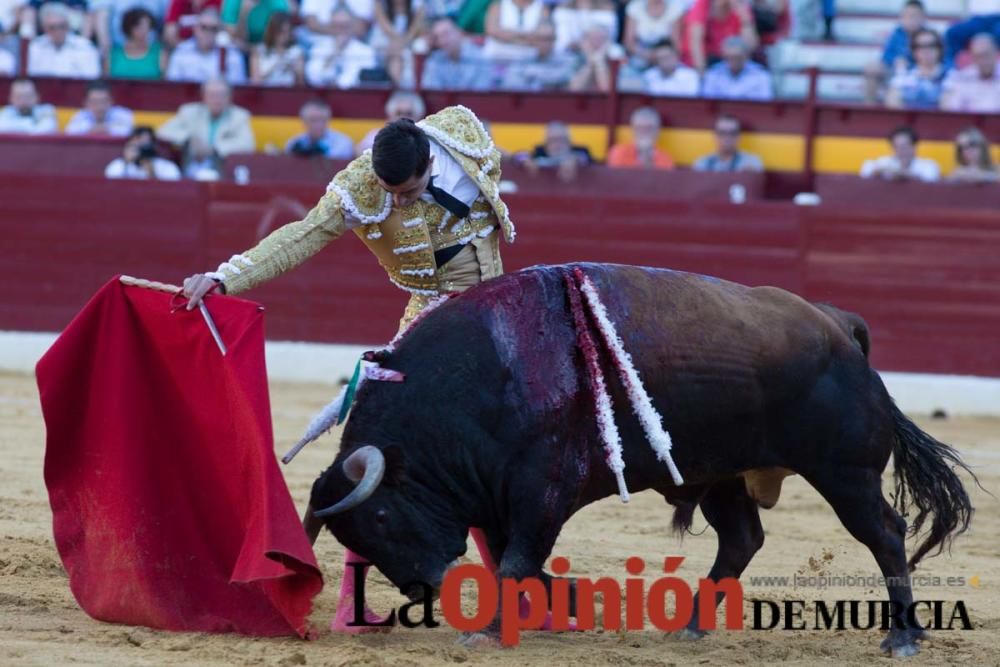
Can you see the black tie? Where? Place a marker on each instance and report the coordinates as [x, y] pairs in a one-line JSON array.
[[457, 208]]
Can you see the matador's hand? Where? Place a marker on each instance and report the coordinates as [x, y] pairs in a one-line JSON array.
[[196, 287]]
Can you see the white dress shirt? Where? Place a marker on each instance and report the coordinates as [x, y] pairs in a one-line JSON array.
[[118, 122], [450, 177], [344, 71], [163, 170], [187, 63], [77, 58], [40, 120], [682, 82], [920, 168]]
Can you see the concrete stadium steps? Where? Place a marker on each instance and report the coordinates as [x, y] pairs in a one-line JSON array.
[[891, 7], [829, 57], [832, 86], [874, 29]]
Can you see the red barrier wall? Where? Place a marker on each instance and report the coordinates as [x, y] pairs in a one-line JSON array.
[[926, 279]]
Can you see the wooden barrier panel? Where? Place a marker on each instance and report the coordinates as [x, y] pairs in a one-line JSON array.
[[927, 282], [881, 194]]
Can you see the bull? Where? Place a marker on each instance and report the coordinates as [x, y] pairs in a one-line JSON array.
[[494, 427]]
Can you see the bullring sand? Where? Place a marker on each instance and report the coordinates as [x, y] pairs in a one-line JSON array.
[[41, 624]]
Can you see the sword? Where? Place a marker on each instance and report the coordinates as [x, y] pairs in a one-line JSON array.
[[211, 326]]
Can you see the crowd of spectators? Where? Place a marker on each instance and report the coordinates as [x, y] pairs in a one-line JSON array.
[[708, 48], [921, 68], [663, 47]]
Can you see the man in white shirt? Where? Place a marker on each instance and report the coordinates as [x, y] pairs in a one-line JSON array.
[[976, 87], [668, 76], [337, 59], [903, 164], [736, 77], [99, 115], [318, 14], [198, 59], [59, 53], [24, 115], [140, 161]]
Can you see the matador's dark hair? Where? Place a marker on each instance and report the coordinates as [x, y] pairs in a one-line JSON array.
[[401, 150]]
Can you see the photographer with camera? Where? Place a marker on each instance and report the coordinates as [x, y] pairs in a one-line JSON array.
[[140, 159]]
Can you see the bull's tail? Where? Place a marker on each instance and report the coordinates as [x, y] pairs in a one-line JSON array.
[[925, 478]]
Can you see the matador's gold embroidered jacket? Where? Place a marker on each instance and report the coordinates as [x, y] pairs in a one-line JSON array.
[[403, 239]]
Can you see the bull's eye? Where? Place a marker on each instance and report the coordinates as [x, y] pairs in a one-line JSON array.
[[381, 516]]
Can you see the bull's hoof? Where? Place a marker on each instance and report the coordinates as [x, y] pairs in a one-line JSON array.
[[689, 634], [345, 616], [479, 640], [903, 644]]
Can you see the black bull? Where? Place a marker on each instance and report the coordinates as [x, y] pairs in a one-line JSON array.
[[495, 427]]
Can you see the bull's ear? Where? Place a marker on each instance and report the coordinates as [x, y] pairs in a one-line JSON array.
[[395, 465]]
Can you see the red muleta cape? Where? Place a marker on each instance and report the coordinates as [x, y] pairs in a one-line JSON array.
[[168, 506]]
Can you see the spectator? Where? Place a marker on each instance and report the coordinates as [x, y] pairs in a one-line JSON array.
[[397, 24], [642, 151], [278, 60], [574, 17], [897, 56], [668, 76], [337, 59], [401, 104], [558, 153], [12, 18], [551, 70], [596, 53], [737, 77], [772, 20], [829, 11], [140, 160], [76, 11], [455, 63], [728, 157], [984, 16], [210, 130], [198, 59], [318, 17], [182, 17], [141, 56], [903, 164], [648, 23], [99, 115], [247, 20], [24, 114], [109, 18], [920, 86], [974, 164], [59, 53], [319, 139], [976, 87], [8, 64], [512, 30], [709, 23]]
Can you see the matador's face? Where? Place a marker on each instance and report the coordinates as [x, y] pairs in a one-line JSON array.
[[409, 190]]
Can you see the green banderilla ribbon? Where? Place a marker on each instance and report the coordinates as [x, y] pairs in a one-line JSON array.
[[352, 387]]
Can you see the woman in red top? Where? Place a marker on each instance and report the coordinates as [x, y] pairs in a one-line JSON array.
[[707, 25], [178, 24]]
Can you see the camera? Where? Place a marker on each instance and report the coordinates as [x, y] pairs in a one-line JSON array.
[[147, 152]]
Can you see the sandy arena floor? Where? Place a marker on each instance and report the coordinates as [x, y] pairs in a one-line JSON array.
[[40, 623]]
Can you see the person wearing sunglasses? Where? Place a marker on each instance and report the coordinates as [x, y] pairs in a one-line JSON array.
[[197, 59], [728, 156], [973, 161], [59, 52], [920, 86]]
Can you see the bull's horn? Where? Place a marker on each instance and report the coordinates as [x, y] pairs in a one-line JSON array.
[[365, 467]]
